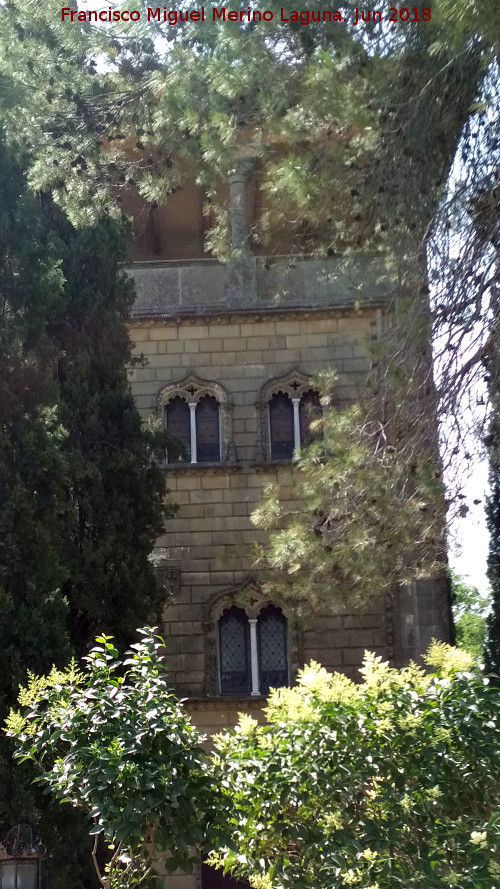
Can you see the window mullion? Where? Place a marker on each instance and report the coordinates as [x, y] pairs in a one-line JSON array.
[[219, 426], [254, 662], [296, 423], [192, 421]]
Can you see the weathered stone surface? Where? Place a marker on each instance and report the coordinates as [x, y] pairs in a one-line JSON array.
[[242, 329], [204, 286]]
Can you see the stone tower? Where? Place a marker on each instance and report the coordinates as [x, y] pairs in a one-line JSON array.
[[231, 353]]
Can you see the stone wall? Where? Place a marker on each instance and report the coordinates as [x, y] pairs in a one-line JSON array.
[[211, 538], [192, 321], [203, 286], [244, 352]]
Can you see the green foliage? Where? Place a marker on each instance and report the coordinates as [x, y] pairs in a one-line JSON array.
[[113, 741], [355, 130], [80, 490], [493, 525], [391, 782], [359, 524], [81, 493], [33, 494], [470, 616], [380, 110], [32, 469], [115, 487]]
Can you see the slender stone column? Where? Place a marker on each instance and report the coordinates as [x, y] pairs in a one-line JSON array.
[[192, 429], [254, 655], [296, 423]]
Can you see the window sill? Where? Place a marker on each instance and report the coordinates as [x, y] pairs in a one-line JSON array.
[[206, 703], [193, 468], [262, 465]]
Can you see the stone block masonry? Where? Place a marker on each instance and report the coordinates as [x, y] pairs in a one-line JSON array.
[[212, 527], [240, 332]]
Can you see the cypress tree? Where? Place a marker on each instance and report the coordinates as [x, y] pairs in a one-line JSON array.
[[80, 491], [114, 488]]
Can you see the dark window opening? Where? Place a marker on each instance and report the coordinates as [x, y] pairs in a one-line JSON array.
[[177, 420], [207, 430], [309, 411], [215, 879], [281, 427], [272, 649], [234, 652]]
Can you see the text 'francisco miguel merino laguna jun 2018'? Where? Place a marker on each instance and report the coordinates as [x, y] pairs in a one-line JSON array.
[[222, 14]]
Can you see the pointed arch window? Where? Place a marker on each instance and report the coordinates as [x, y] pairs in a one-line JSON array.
[[309, 411], [177, 421], [281, 432], [207, 430], [198, 415], [253, 651], [196, 426], [292, 408]]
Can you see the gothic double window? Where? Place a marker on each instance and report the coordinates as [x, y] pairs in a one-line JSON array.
[[253, 651], [196, 428], [196, 413], [290, 419], [289, 407]]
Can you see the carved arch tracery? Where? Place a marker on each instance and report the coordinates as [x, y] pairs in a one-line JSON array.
[[294, 383]]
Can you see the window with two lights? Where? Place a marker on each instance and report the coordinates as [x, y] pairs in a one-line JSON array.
[[253, 651], [196, 414], [195, 426], [290, 419]]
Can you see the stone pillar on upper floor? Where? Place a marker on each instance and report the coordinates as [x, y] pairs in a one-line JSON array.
[[239, 175], [242, 283]]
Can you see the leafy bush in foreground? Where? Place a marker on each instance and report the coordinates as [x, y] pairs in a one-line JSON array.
[[113, 741], [388, 783], [392, 782]]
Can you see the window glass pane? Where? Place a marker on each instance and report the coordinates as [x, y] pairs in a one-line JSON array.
[[177, 422], [8, 875], [309, 410], [234, 652], [272, 642], [27, 873], [207, 430], [281, 427]]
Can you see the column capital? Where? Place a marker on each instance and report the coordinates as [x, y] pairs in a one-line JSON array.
[[240, 169]]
